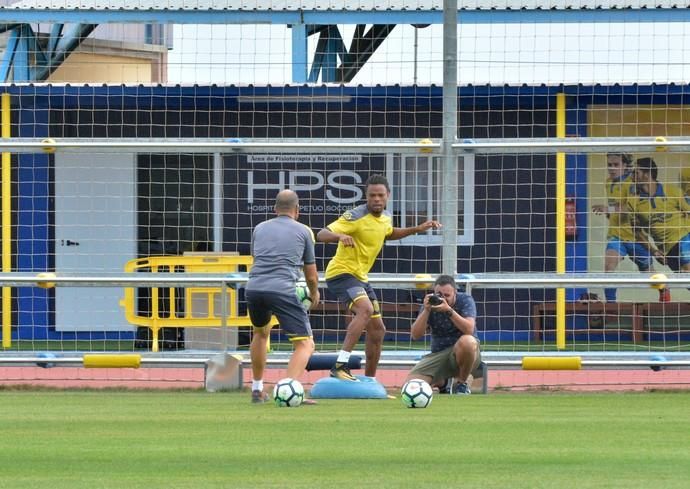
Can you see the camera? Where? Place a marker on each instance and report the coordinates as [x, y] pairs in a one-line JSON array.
[[436, 299]]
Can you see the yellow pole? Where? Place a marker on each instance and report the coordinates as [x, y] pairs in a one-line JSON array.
[[560, 222], [551, 363], [104, 360], [6, 223]]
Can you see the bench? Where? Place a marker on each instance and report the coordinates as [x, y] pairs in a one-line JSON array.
[[665, 317], [641, 315], [666, 309], [603, 309]]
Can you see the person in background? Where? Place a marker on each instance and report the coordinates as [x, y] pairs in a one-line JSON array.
[[621, 239], [662, 212]]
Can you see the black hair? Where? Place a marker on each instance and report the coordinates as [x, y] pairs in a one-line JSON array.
[[445, 280], [648, 165], [378, 180]]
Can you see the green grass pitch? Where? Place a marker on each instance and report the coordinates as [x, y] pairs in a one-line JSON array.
[[192, 439]]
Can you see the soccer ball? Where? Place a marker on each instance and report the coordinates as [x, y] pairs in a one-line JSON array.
[[288, 393], [303, 297], [416, 393]]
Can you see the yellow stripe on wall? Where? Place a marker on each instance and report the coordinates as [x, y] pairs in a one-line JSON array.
[[6, 222], [560, 222]]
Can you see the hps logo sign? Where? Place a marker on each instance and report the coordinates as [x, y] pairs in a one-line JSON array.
[[338, 186]]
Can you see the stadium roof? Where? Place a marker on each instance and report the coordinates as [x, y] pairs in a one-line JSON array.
[[322, 18], [338, 5], [336, 12]]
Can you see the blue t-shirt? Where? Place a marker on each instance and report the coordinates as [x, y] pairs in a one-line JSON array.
[[444, 333]]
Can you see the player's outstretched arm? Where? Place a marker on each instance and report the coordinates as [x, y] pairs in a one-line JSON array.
[[659, 256], [399, 233], [328, 236], [642, 236]]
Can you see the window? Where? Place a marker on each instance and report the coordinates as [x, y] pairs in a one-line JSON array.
[[418, 192]]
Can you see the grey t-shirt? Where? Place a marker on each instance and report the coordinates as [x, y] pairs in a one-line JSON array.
[[281, 247]]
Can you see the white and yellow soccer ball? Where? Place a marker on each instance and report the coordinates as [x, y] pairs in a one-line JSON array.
[[416, 393], [288, 393], [303, 296]]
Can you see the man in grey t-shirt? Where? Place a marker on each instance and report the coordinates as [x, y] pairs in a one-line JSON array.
[[282, 248]]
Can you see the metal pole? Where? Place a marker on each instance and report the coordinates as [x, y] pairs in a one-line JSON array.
[[224, 316], [416, 49], [217, 202], [449, 192]]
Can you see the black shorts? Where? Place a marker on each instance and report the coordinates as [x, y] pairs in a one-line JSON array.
[[349, 289], [291, 315]]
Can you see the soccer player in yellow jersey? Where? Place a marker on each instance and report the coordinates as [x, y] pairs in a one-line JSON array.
[[663, 212], [360, 234], [621, 240]]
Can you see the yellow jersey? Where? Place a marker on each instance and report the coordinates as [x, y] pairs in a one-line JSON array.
[[617, 192], [685, 180], [368, 232], [663, 215]]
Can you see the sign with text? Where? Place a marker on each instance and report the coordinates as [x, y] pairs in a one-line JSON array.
[[327, 185]]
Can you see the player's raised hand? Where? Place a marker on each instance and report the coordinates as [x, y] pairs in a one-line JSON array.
[[599, 210], [429, 225], [659, 256]]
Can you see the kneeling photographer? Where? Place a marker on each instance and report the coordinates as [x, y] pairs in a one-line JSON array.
[[449, 316]]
